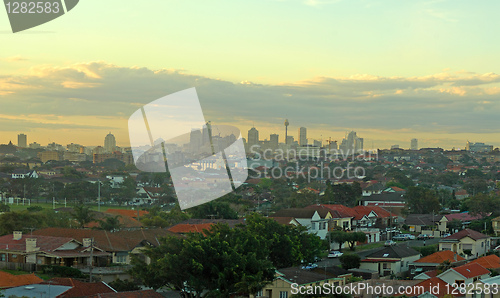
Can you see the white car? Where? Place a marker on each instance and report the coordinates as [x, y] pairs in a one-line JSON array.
[[335, 254]]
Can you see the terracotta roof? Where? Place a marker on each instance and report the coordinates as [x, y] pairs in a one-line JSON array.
[[8, 280], [190, 228], [344, 211], [471, 270], [133, 294], [435, 283], [489, 262], [441, 256], [302, 212], [365, 210], [45, 243], [129, 213], [466, 233], [464, 216], [80, 289]]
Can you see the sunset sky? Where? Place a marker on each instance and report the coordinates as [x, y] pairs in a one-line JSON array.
[[390, 70]]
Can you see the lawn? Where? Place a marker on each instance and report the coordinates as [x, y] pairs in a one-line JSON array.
[[20, 207], [370, 245]]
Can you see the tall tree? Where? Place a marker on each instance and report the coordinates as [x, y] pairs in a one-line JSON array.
[[82, 214]]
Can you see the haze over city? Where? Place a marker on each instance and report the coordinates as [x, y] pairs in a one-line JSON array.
[[427, 72]]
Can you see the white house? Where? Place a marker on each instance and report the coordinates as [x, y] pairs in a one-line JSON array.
[[468, 273], [21, 174], [466, 240]]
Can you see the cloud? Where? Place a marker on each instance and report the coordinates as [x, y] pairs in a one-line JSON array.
[[15, 59], [442, 103]]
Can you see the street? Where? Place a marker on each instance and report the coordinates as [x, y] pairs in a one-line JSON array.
[[363, 253]]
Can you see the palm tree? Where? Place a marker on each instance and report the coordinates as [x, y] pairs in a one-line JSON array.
[[82, 214]]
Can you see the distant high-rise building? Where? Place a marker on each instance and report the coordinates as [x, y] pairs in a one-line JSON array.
[[395, 147], [273, 141], [289, 140], [253, 137], [352, 143], [206, 133], [317, 143], [109, 143], [35, 145], [22, 140], [302, 136], [414, 144], [478, 147], [286, 130], [195, 140]]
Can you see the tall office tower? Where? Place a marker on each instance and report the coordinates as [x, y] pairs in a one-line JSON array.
[[22, 140], [317, 143], [302, 136], [109, 143], [253, 137], [358, 144], [195, 139], [289, 140], [206, 133], [351, 139], [332, 145], [286, 130], [273, 141], [414, 144]]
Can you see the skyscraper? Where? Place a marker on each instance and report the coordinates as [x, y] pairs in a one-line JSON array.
[[414, 144], [109, 143], [253, 137], [302, 136], [273, 141], [22, 140], [286, 130]]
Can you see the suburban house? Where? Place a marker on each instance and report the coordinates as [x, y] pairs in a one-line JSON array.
[[21, 174], [464, 217], [120, 245], [79, 288], [50, 250], [426, 222], [318, 220], [467, 274], [390, 260], [427, 274], [281, 287], [490, 262], [491, 283], [433, 287], [466, 242], [432, 261]]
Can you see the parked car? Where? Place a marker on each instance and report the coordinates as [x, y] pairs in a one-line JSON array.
[[335, 254], [310, 266], [400, 237], [446, 235], [410, 236], [389, 243], [424, 237]]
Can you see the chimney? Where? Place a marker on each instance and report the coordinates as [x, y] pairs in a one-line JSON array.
[[30, 244], [86, 242], [18, 235]]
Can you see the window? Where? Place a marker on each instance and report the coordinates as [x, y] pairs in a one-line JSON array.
[[121, 259], [2, 257], [313, 226], [259, 293], [283, 294]]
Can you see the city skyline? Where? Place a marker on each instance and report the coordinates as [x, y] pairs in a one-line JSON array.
[[427, 71]]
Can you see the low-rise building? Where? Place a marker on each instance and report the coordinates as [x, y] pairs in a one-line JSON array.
[[390, 260], [466, 242]]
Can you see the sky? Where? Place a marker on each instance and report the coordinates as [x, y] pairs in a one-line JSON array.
[[390, 70]]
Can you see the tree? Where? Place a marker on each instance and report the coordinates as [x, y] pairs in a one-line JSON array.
[[483, 204], [354, 237], [161, 219], [110, 223], [82, 214], [421, 200], [124, 285], [349, 261], [214, 209], [339, 237]]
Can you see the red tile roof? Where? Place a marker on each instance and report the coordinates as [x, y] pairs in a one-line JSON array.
[[129, 213], [45, 243], [343, 210], [441, 256], [471, 270], [133, 294], [466, 233], [489, 262], [365, 210], [8, 280], [431, 285], [283, 220], [464, 216], [190, 228], [80, 289]]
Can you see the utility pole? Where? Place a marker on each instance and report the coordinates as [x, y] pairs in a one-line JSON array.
[[99, 195], [91, 258]]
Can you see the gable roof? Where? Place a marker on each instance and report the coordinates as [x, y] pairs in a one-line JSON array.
[[392, 252], [422, 219], [8, 280], [466, 233], [45, 243], [78, 288], [302, 212], [489, 262], [469, 270], [427, 274], [434, 283], [190, 228], [440, 256], [131, 294], [343, 211], [366, 210], [284, 220], [464, 216]]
